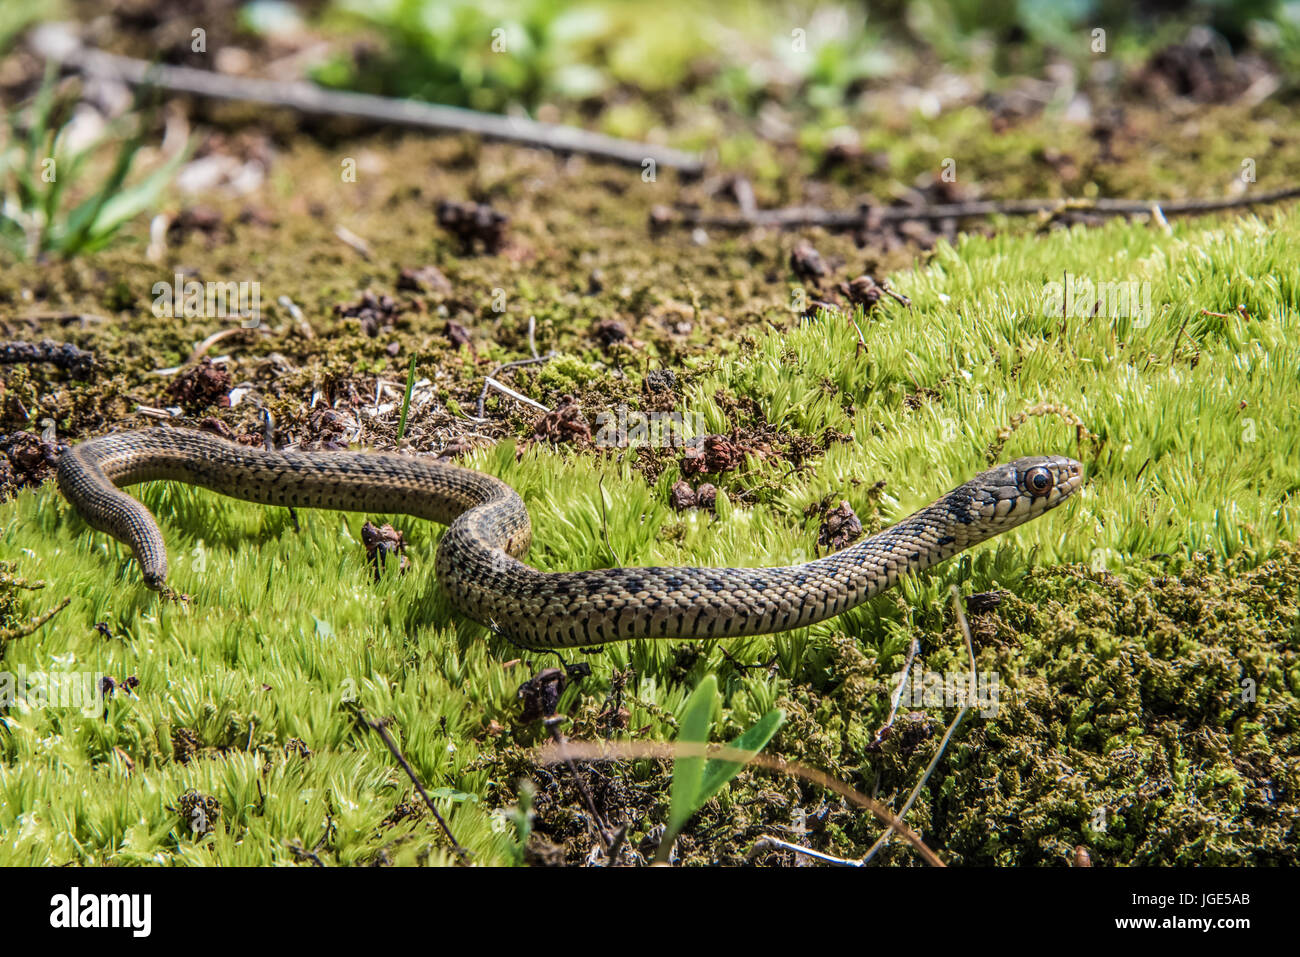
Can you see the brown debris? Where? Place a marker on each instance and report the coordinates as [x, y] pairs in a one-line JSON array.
[[200, 386], [216, 427], [662, 218], [62, 354], [541, 694], [474, 223], [458, 335], [382, 542], [816, 305], [683, 497], [325, 429], [984, 601], [866, 292], [185, 744], [660, 390], [539, 852], [713, 454], [564, 425], [375, 312], [840, 527], [425, 279], [26, 459], [199, 811], [456, 447], [611, 331], [849, 154], [807, 264], [706, 496], [1201, 68], [202, 220], [912, 731]]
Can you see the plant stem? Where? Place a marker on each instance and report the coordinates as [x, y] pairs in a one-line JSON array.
[[406, 400]]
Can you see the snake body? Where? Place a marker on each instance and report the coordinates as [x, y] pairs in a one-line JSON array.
[[478, 560]]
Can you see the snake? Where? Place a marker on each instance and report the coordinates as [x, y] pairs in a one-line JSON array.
[[479, 560]]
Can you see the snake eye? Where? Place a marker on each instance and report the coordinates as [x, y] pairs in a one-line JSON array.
[[1038, 481]]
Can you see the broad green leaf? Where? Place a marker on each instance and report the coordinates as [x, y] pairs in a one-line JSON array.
[[131, 202], [697, 718], [718, 772]]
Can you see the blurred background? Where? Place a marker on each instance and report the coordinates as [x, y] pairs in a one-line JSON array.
[[770, 87]]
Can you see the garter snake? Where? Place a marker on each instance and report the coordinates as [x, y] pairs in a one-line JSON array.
[[478, 560]]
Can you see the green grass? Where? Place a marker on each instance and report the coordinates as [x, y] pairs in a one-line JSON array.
[[286, 630], [49, 202]]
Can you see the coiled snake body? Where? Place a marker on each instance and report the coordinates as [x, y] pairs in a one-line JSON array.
[[478, 558]]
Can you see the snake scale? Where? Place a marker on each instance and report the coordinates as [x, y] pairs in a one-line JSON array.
[[478, 560]]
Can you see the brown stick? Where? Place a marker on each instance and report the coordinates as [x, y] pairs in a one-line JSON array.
[[793, 217], [56, 43]]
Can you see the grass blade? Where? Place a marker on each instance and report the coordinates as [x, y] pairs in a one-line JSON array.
[[697, 718], [406, 400], [717, 772]]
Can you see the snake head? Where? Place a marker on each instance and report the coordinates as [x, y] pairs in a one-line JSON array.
[[1031, 486], [1047, 479], [1009, 495]]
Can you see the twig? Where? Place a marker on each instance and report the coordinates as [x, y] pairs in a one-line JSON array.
[[943, 745], [1178, 337], [912, 652], [491, 381], [379, 727], [304, 327], [911, 799], [351, 239], [62, 354], [501, 387], [202, 348], [805, 851], [598, 821], [799, 216], [57, 43], [22, 631], [151, 412], [965, 630], [532, 336], [302, 854]]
